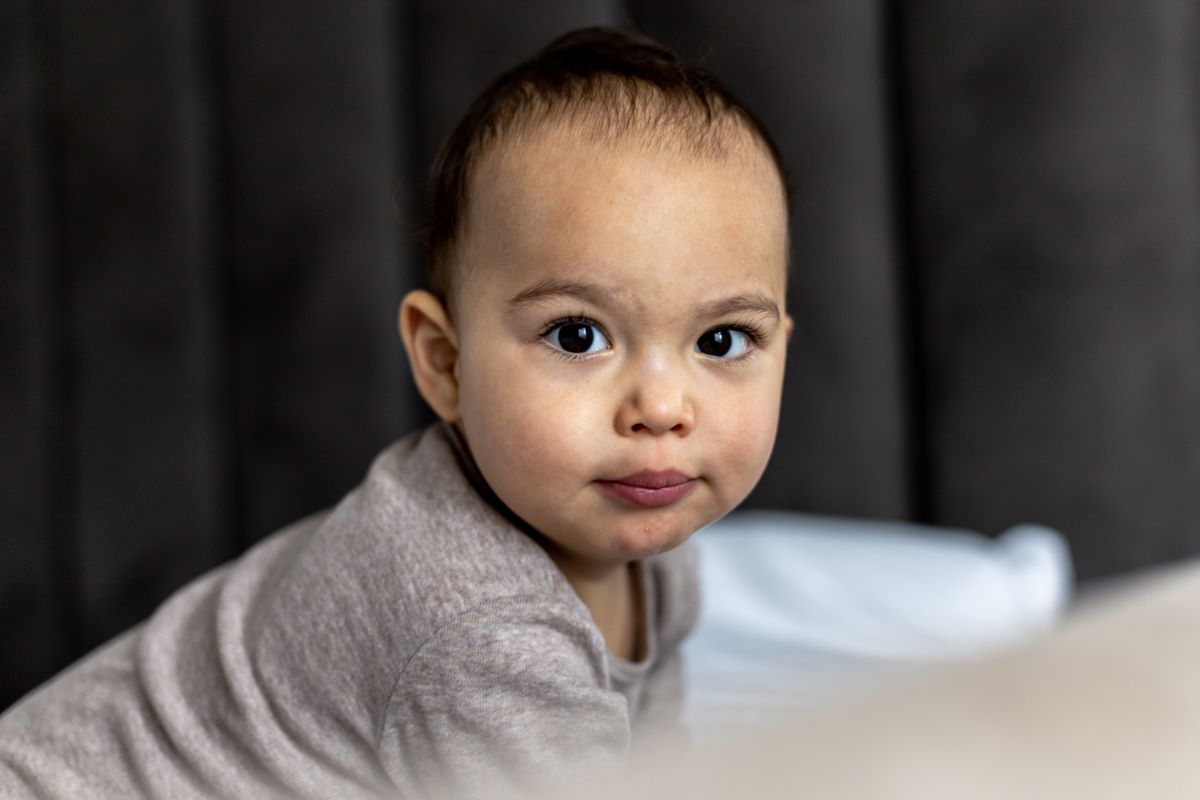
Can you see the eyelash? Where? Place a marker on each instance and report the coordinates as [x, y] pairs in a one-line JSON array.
[[755, 333]]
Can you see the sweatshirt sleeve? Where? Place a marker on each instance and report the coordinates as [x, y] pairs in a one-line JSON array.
[[510, 695]]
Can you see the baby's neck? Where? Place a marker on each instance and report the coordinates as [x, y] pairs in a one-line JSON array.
[[615, 602]]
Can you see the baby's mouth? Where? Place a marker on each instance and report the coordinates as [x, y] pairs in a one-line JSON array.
[[650, 489]]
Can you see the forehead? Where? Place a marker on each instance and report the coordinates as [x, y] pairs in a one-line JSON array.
[[648, 222]]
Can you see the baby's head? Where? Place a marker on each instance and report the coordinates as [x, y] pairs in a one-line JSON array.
[[607, 268]]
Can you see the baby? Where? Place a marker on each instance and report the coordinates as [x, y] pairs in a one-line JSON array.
[[500, 601]]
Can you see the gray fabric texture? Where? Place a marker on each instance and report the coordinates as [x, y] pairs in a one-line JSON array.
[[414, 640]]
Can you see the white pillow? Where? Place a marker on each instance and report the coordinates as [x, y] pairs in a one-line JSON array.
[[796, 607]]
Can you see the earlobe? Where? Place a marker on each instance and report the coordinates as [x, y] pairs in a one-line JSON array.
[[432, 346]]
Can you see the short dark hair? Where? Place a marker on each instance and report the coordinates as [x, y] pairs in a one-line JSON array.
[[619, 81]]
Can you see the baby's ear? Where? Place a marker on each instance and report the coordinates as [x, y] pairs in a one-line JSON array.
[[432, 346]]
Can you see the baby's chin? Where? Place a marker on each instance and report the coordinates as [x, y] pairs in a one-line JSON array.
[[634, 540]]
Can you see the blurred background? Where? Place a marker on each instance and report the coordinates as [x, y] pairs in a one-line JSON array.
[[996, 279]]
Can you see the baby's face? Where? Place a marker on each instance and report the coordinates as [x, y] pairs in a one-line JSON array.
[[604, 314]]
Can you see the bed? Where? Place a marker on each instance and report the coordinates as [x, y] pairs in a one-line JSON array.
[[800, 608]]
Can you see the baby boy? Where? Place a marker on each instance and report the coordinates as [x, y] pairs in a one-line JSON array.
[[603, 337]]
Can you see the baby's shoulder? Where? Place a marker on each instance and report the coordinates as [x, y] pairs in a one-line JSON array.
[[414, 546]]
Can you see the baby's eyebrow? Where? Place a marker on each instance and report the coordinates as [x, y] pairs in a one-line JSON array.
[[754, 302], [552, 287]]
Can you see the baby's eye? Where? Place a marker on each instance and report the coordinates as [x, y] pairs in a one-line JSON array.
[[577, 338], [726, 343]]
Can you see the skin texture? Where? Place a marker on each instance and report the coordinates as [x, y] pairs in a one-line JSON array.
[[663, 234]]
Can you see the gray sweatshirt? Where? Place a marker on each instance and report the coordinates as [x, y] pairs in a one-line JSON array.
[[414, 641]]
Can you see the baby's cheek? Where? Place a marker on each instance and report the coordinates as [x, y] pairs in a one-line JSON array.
[[534, 431], [745, 446]]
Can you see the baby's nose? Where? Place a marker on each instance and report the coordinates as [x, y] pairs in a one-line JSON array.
[[657, 405]]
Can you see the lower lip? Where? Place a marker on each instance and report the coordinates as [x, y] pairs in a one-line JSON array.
[[646, 497]]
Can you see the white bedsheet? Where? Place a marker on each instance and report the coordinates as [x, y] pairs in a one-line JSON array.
[[796, 607]]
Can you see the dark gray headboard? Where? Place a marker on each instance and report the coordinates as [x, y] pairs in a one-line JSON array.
[[996, 279]]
